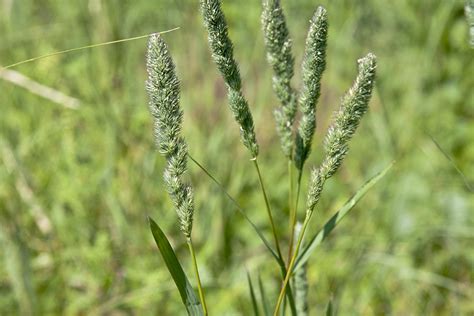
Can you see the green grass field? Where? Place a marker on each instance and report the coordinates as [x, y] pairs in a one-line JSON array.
[[78, 177]]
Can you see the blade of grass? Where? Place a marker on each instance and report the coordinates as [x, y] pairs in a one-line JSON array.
[[39, 89], [190, 300], [252, 295], [263, 296], [453, 163], [329, 309], [86, 47], [336, 218]]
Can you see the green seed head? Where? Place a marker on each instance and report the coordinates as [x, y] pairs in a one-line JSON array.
[[163, 91], [316, 185], [223, 56], [278, 45], [353, 106], [314, 63]]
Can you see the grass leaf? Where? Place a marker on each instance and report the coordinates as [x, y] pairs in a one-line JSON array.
[[252, 295], [329, 309], [263, 296], [190, 300], [453, 163], [336, 218]]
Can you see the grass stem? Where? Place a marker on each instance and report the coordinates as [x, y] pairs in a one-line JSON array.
[[278, 257], [291, 265], [198, 279], [267, 205], [294, 217]]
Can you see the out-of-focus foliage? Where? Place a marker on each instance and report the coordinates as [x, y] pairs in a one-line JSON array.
[[76, 185]]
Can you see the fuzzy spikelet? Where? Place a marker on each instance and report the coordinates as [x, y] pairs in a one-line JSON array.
[[316, 185], [469, 12], [314, 63], [223, 55], [353, 106], [163, 91], [278, 45]]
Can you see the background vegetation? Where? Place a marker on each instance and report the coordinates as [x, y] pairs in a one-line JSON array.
[[77, 184]]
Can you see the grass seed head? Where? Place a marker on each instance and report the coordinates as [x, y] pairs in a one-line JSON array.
[[223, 56], [278, 45], [353, 106], [163, 91], [314, 63]]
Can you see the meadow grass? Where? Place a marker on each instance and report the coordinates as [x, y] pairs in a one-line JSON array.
[[95, 175]]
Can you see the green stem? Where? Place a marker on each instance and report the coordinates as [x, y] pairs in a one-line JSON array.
[[291, 264], [196, 271], [239, 209], [290, 191], [267, 205], [295, 212], [279, 260]]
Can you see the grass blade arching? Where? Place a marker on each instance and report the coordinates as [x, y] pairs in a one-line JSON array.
[[190, 300], [336, 218], [252, 296], [263, 296]]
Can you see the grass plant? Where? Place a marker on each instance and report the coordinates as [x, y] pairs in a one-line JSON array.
[[80, 174], [163, 90]]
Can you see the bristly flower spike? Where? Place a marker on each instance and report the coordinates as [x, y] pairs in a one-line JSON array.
[[163, 91], [314, 63], [278, 45], [353, 106], [223, 55]]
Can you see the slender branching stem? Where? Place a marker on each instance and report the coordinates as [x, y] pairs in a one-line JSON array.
[[198, 279], [294, 218], [290, 203], [290, 188], [280, 261], [291, 264], [242, 212], [269, 211]]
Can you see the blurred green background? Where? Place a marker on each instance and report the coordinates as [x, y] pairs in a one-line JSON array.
[[76, 184]]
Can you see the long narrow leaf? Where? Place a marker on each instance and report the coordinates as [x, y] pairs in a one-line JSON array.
[[263, 296], [454, 164], [252, 295], [336, 218], [329, 309], [190, 300]]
